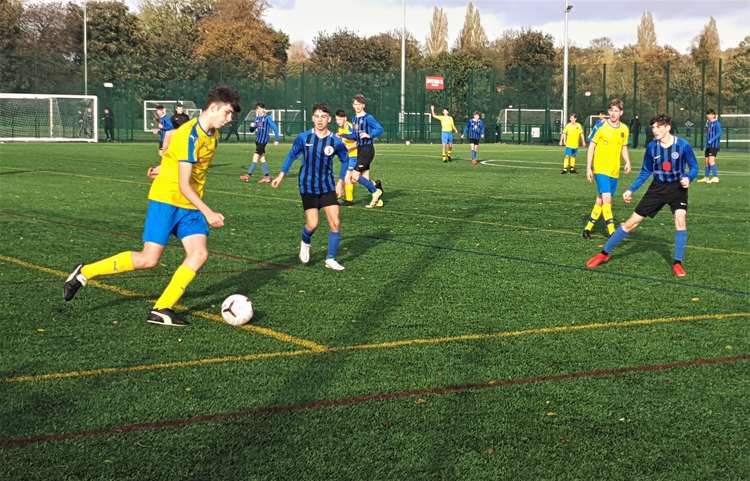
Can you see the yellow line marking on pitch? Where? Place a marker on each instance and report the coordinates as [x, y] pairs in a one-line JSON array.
[[263, 331], [411, 214], [373, 346]]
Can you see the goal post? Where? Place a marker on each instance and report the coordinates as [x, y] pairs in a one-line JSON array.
[[48, 118], [735, 129], [150, 122], [509, 118]]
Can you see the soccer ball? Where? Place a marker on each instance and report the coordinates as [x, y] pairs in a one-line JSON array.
[[237, 310], [252, 125], [408, 142]]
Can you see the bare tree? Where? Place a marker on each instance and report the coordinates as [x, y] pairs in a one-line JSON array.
[[707, 46], [472, 35], [437, 41]]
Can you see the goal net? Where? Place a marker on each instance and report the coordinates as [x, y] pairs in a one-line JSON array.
[[289, 121], [736, 128], [509, 118], [150, 119], [48, 118]]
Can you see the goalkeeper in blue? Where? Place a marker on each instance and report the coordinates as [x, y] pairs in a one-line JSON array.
[[317, 186], [262, 126], [474, 131], [672, 164]]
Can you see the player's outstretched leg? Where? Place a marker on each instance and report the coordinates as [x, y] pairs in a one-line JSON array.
[[596, 212], [334, 237], [250, 171], [122, 262]]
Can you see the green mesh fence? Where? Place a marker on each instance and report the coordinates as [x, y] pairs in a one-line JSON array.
[[519, 105]]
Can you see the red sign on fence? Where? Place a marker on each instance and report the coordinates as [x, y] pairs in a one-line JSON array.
[[434, 83]]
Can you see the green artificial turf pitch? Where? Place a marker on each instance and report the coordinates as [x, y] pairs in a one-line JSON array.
[[464, 340]]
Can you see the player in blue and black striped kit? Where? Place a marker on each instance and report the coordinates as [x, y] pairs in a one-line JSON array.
[[317, 186], [474, 131], [672, 164], [365, 129], [713, 142], [262, 126]]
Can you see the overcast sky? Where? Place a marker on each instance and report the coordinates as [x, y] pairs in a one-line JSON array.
[[677, 21]]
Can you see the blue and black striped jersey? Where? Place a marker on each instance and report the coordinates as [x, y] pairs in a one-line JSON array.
[[165, 125], [316, 173], [263, 127], [667, 164], [365, 123], [474, 129], [713, 134]]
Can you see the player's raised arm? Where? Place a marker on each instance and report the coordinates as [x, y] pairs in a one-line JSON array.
[[432, 112]]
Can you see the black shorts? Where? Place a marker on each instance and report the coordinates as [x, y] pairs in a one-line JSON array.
[[660, 194], [711, 151], [474, 141], [260, 149], [318, 201], [365, 156]]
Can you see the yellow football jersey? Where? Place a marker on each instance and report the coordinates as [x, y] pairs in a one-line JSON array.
[[190, 143], [446, 123], [351, 145], [609, 143], [573, 134]]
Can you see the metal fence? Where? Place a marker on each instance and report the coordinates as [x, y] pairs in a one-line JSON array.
[[684, 89]]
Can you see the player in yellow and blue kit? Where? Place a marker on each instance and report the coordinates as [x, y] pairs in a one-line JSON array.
[[571, 137], [175, 207], [447, 129], [603, 165], [346, 134]]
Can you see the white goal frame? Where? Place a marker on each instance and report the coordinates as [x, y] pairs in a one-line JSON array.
[[167, 103], [734, 116], [515, 112], [593, 119], [52, 137]]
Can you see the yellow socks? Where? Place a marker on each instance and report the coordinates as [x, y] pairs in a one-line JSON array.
[[572, 162], [349, 192], [122, 262], [182, 277], [595, 213], [566, 162], [609, 218]]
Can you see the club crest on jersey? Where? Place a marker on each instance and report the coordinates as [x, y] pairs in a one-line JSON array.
[[328, 150], [675, 155]]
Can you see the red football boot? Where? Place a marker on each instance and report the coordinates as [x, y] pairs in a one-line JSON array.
[[677, 270], [597, 260]]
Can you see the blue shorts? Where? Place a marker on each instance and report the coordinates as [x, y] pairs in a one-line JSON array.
[[446, 137], [606, 184], [165, 219], [571, 151]]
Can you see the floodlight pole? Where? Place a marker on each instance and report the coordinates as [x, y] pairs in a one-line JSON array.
[[402, 115], [85, 52], [568, 8]]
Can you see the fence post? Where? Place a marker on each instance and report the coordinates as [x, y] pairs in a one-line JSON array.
[[703, 96], [635, 89], [668, 82], [573, 90], [604, 87], [304, 100], [721, 73]]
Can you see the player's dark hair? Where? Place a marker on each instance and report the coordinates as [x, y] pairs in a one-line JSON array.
[[261, 105], [616, 103], [477, 112], [711, 112], [661, 119], [340, 113], [322, 107], [225, 95], [573, 114], [360, 98], [601, 112], [159, 107], [178, 104]]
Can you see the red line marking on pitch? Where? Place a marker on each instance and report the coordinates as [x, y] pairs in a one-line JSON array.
[[351, 401]]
